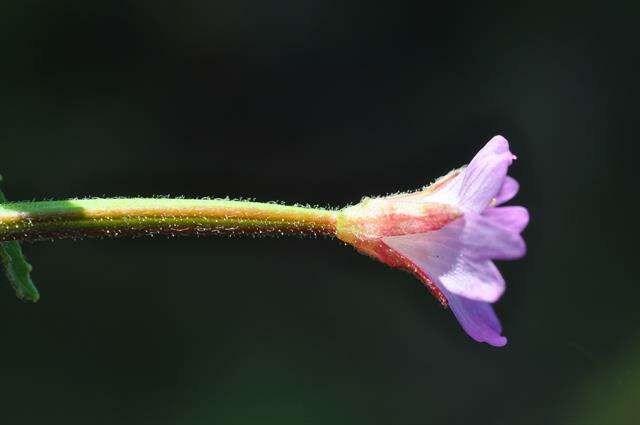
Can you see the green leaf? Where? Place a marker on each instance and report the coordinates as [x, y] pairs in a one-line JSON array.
[[17, 268]]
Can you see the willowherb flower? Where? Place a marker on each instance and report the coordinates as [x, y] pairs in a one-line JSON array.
[[447, 234]]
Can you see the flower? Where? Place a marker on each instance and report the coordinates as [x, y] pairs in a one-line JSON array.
[[447, 234]]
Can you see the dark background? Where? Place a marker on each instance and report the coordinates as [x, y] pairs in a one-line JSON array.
[[318, 102]]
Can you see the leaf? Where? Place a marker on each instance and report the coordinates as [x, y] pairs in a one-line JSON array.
[[17, 268]]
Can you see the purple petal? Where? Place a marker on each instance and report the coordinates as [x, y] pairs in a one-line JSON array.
[[471, 278], [444, 256], [484, 237], [512, 218], [485, 174], [508, 190], [478, 319]]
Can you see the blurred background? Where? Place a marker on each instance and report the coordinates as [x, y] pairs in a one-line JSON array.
[[318, 102]]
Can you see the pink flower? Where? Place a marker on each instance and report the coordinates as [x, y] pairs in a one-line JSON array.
[[447, 234]]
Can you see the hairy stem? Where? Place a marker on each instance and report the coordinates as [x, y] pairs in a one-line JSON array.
[[158, 216]]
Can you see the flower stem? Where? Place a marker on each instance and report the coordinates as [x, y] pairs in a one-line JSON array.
[[158, 216]]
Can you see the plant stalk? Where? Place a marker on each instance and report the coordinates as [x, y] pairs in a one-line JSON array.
[[78, 218]]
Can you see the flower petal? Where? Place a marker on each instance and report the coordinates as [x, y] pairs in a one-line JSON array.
[[444, 256], [474, 279], [512, 218], [485, 175], [509, 189], [478, 319], [480, 182], [484, 237]]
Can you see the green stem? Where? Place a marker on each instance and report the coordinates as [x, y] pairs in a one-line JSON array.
[[153, 216]]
